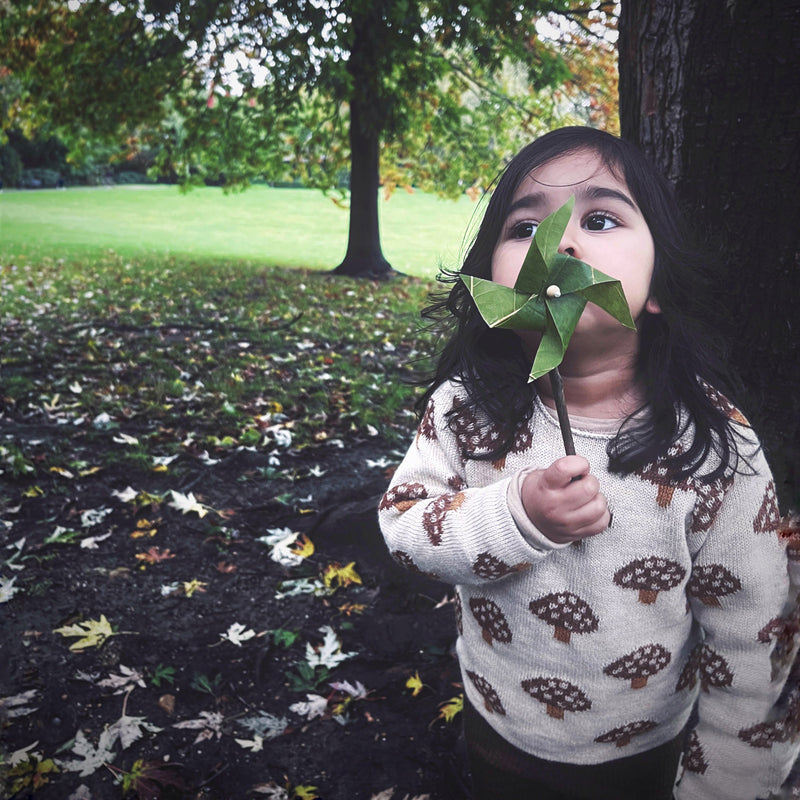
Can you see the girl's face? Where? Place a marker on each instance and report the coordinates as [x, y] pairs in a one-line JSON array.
[[606, 230]]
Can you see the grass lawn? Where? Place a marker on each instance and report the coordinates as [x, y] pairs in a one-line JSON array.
[[281, 227]]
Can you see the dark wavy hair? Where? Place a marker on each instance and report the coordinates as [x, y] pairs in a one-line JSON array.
[[679, 357]]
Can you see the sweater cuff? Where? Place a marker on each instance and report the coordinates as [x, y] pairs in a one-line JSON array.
[[532, 535]]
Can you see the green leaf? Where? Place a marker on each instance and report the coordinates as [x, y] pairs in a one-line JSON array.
[[502, 307], [551, 230], [563, 314]]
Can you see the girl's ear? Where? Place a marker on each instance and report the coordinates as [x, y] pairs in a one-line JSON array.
[[652, 306]]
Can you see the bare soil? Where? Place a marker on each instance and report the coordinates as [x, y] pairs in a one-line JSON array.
[[399, 625]]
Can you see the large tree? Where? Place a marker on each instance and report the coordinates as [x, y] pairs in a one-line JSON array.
[[389, 72], [376, 61], [709, 88]]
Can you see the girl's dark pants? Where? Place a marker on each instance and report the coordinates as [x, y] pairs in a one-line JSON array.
[[500, 770]]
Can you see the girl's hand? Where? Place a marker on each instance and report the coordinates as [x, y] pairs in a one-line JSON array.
[[564, 501]]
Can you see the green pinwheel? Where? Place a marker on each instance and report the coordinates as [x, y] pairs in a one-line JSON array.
[[549, 295]]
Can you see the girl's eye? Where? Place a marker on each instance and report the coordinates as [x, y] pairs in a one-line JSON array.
[[523, 230], [599, 222]]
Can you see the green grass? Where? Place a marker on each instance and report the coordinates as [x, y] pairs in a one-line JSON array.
[[276, 227]]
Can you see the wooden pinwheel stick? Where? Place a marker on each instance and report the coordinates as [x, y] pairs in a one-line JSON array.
[[557, 386]]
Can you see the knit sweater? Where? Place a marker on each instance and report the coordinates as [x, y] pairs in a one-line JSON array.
[[592, 651]]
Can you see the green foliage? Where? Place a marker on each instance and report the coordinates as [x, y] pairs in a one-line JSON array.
[[451, 90], [206, 684], [13, 460], [91, 70], [10, 166], [39, 178], [284, 638], [162, 674], [31, 774], [306, 678], [126, 177]]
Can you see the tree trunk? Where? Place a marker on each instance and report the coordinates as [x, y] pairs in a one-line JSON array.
[[709, 89], [364, 257]]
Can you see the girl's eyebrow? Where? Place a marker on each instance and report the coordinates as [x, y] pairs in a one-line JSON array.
[[532, 200], [602, 192]]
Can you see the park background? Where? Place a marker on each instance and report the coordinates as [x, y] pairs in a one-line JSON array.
[[218, 225]]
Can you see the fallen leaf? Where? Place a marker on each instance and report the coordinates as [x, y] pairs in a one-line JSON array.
[[267, 726], [144, 528], [209, 723], [154, 555], [93, 516], [336, 575], [271, 791], [91, 758], [303, 547], [186, 503], [192, 586], [450, 708], [16, 705], [167, 703], [254, 745], [91, 542], [7, 589], [93, 632], [236, 634], [329, 654], [314, 706], [415, 684], [131, 729], [126, 495], [127, 678], [357, 692], [23, 754], [348, 609]]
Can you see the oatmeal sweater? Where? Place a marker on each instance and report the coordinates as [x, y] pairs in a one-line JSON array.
[[592, 651]]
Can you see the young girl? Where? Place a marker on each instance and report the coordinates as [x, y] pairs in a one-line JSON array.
[[625, 606]]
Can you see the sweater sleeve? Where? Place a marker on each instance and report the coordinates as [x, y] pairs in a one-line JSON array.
[[436, 523], [741, 747]]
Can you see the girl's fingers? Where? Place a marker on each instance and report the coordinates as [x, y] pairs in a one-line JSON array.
[[565, 471], [590, 516]]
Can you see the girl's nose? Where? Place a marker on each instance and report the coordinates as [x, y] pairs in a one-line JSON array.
[[568, 240]]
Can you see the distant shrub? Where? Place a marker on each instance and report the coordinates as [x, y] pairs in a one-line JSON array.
[[10, 166], [40, 178], [129, 176]]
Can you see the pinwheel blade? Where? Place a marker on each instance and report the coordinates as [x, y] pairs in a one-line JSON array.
[[562, 318], [502, 307]]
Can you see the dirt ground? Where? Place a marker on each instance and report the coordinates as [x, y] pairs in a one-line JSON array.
[[169, 707]]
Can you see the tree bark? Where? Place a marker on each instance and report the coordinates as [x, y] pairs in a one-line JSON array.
[[364, 257], [709, 89]]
